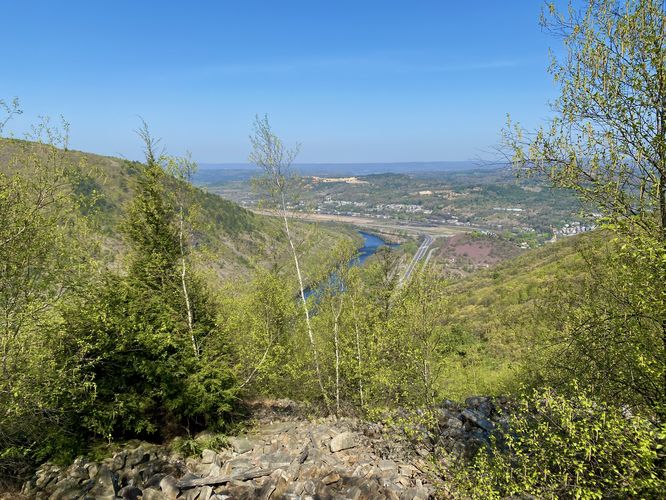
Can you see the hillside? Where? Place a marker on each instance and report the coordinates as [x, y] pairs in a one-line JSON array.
[[496, 315], [463, 254], [230, 239]]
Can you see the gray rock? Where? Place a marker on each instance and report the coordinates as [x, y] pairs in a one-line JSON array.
[[128, 477], [241, 444], [106, 483], [93, 469], [44, 477], [281, 483], [266, 490], [67, 489], [478, 420], [154, 480], [326, 458], [118, 461], [215, 470], [204, 435], [387, 465], [130, 492], [343, 441], [205, 493], [354, 493], [331, 478], [202, 469], [454, 423], [191, 494], [309, 487], [137, 456], [153, 494], [209, 457], [482, 405], [168, 486]]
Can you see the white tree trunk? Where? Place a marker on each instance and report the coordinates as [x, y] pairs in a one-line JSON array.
[[358, 353], [190, 318], [313, 344]]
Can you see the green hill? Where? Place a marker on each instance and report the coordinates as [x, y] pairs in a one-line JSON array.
[[497, 318], [229, 239]]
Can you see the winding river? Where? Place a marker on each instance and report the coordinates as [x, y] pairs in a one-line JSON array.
[[371, 243]]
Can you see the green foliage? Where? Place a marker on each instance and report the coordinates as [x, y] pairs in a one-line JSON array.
[[361, 319], [44, 259], [558, 447], [263, 327], [190, 447], [156, 366], [151, 230], [611, 337], [92, 353], [607, 143]]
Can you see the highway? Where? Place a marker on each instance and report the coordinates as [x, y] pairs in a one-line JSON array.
[[420, 253]]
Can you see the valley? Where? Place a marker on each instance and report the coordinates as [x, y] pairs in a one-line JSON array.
[[526, 211], [253, 264]]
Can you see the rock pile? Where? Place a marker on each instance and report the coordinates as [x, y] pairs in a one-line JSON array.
[[286, 456], [463, 429]]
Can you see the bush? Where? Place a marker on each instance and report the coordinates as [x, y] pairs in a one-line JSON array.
[[569, 448]]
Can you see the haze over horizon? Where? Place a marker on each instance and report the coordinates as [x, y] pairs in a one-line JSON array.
[[370, 82]]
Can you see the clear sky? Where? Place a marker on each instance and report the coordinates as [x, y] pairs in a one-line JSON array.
[[352, 81]]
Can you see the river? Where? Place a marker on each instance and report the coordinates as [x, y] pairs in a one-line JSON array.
[[371, 243]]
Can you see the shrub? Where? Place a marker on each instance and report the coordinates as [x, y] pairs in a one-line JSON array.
[[569, 448]]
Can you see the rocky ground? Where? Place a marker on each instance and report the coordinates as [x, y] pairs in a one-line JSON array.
[[284, 456]]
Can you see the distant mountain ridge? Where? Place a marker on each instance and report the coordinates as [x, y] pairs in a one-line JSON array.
[[214, 173], [365, 168]]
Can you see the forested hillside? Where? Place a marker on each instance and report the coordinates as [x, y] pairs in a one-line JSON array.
[[229, 240]]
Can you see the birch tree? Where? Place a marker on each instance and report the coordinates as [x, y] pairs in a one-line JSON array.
[[182, 169], [270, 154], [607, 139]]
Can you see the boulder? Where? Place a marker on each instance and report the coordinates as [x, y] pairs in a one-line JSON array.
[[137, 456], [205, 492], [343, 441], [331, 478], [209, 457], [130, 493], [106, 483], [475, 418], [153, 494], [241, 444], [481, 404], [168, 486]]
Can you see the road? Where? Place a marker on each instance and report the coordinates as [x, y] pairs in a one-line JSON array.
[[420, 253]]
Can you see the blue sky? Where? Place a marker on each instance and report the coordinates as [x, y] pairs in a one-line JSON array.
[[352, 81]]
